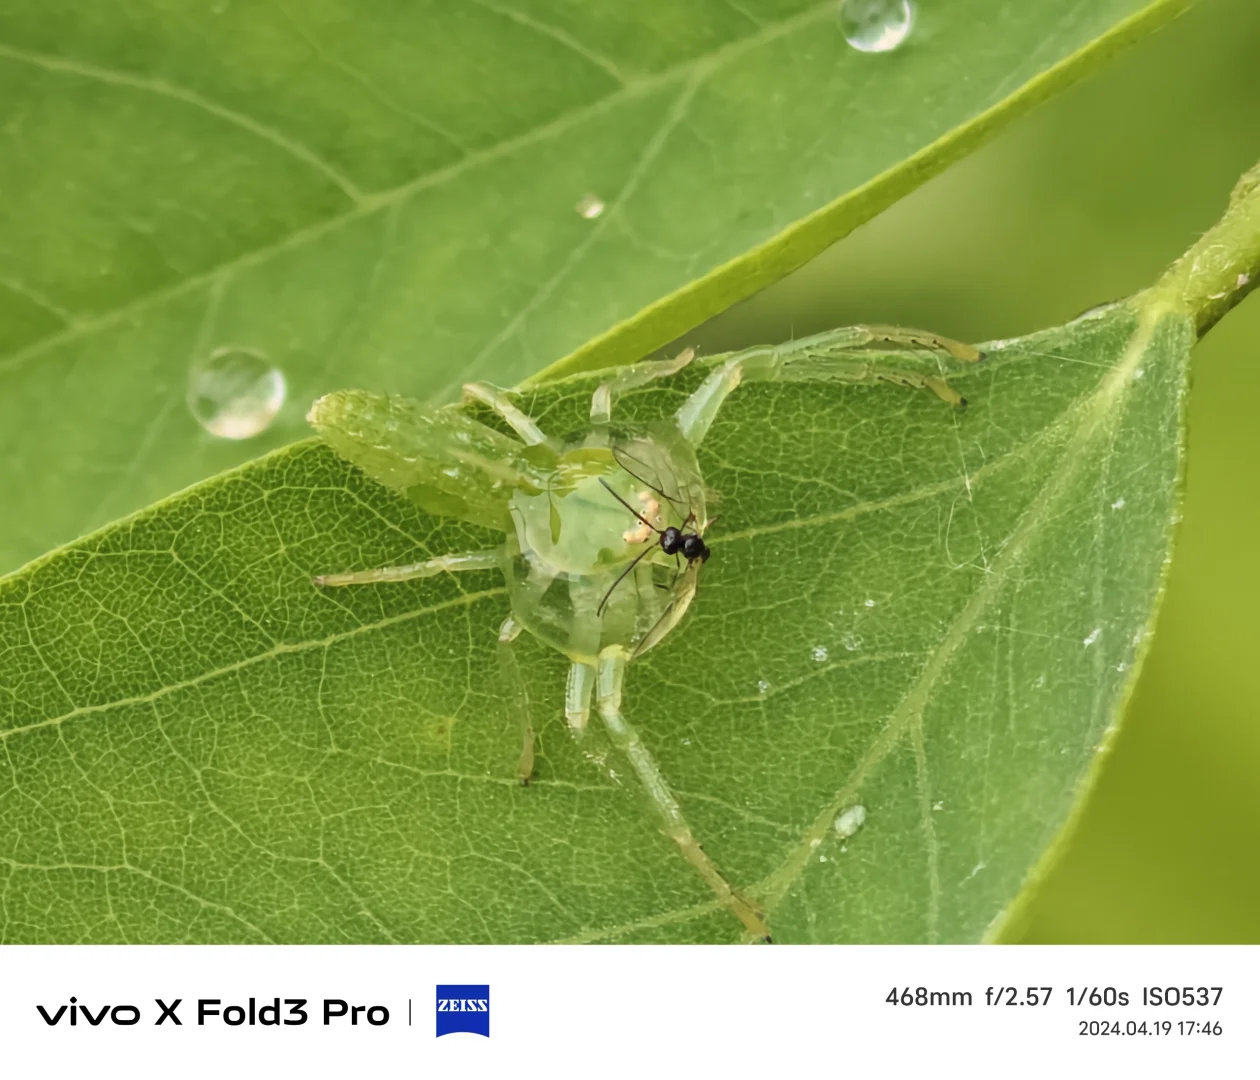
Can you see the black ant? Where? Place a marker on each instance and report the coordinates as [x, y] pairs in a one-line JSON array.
[[673, 541]]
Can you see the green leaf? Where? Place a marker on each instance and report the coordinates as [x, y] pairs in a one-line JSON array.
[[932, 615], [388, 199]]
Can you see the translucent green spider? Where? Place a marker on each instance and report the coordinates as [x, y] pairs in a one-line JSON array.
[[604, 529]]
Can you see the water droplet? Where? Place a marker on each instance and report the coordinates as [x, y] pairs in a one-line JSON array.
[[869, 603], [819, 653], [1118, 504], [763, 687], [815, 842], [849, 821], [235, 393], [1122, 667], [590, 206], [686, 742], [852, 642], [1093, 636], [1243, 281], [1041, 681], [1139, 373], [938, 805], [875, 26]]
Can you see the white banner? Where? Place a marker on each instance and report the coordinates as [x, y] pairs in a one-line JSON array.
[[632, 1011]]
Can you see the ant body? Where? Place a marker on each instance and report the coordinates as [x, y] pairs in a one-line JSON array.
[[672, 541]]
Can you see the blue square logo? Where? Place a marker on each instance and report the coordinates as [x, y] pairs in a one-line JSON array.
[[463, 1008]]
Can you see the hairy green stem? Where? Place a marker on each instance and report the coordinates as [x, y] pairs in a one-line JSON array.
[[1223, 267]]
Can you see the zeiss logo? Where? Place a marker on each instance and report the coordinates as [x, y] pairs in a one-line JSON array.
[[463, 1008]]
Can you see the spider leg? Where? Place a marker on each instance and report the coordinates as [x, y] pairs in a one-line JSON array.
[[904, 336], [518, 695], [577, 696], [612, 669], [471, 560], [842, 355], [492, 397], [630, 377]]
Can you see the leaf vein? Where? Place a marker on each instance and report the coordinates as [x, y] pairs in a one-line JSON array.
[[162, 88], [282, 649]]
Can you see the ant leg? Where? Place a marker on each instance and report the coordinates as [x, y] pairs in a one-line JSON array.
[[472, 560], [492, 397], [518, 694], [612, 669], [632, 376]]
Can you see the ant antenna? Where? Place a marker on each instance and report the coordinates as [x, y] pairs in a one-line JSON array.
[[629, 507], [618, 453], [620, 577]]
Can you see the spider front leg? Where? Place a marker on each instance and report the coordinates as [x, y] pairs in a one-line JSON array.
[[834, 356], [635, 375], [527, 431], [611, 675]]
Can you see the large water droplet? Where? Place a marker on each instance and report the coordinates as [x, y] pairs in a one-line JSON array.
[[235, 393], [875, 25]]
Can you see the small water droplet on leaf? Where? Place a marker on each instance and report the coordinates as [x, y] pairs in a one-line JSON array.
[[849, 821], [590, 206]]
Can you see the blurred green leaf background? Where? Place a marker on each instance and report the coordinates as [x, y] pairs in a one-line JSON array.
[[1086, 201]]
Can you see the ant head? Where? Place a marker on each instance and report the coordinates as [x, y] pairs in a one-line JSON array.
[[672, 541], [694, 548]]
